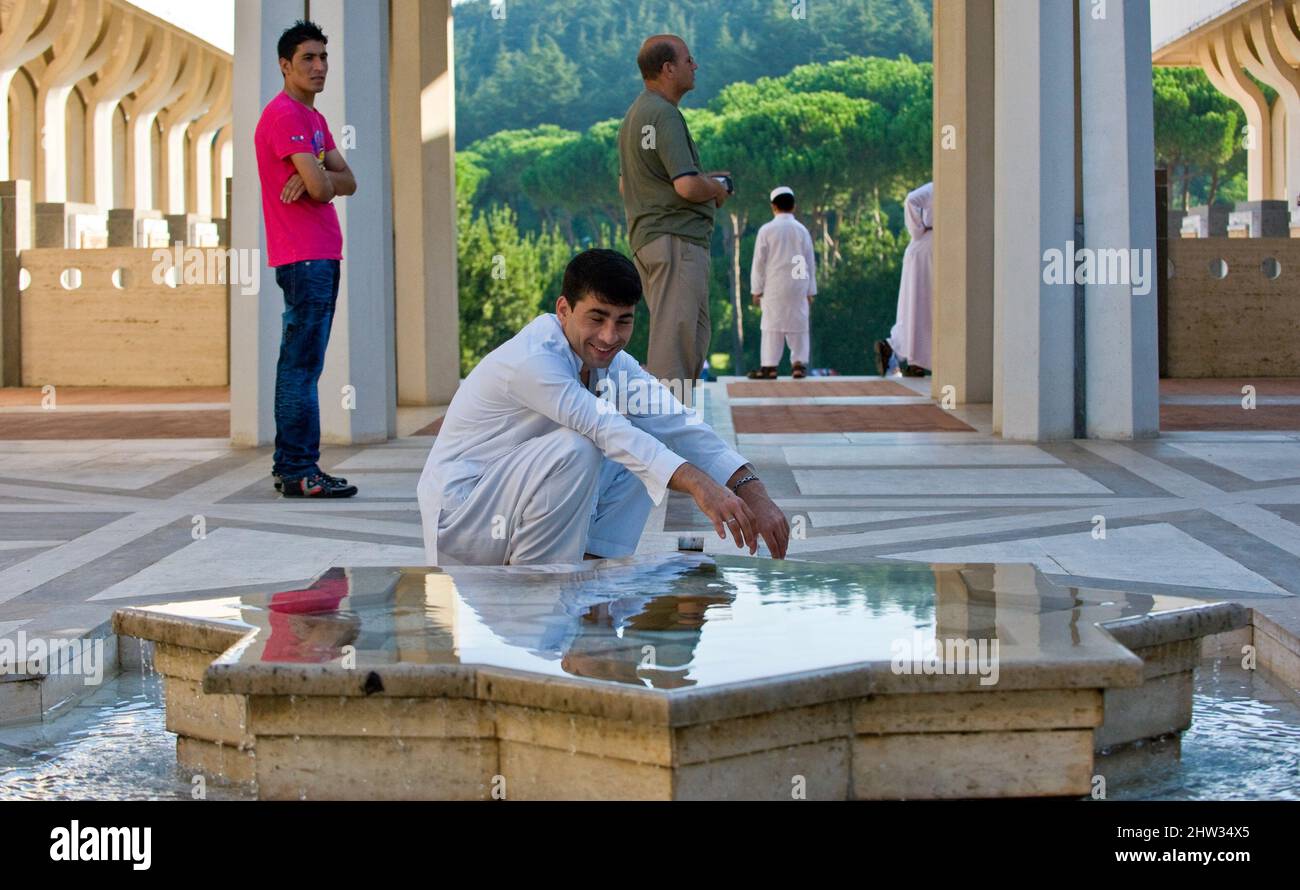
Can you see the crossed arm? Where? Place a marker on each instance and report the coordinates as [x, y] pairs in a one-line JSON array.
[[319, 183]]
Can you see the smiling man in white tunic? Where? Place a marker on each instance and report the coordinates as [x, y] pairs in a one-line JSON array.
[[558, 443]]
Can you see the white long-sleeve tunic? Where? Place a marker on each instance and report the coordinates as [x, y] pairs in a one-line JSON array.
[[784, 271], [913, 332], [528, 387]]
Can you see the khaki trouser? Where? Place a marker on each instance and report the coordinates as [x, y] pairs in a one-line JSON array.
[[675, 279]]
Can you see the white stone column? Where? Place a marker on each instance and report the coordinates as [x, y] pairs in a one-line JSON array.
[[22, 109], [81, 48], [355, 103], [23, 38], [222, 167], [199, 189], [1268, 28], [1034, 192], [254, 318], [963, 200], [127, 67], [1223, 68], [15, 236], [161, 89], [194, 101], [1279, 130], [1119, 213], [424, 202]]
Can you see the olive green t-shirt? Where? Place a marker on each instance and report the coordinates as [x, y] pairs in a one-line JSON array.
[[655, 148]]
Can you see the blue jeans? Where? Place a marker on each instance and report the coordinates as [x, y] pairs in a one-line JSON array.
[[311, 288]]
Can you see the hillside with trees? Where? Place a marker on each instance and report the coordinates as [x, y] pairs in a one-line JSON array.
[[524, 63], [851, 137]]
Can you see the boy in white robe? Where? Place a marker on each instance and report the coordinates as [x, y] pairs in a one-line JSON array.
[[558, 443], [783, 281]]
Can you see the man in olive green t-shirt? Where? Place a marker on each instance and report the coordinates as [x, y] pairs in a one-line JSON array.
[[670, 206]]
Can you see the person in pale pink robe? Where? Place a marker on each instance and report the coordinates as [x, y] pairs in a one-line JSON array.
[[912, 336]]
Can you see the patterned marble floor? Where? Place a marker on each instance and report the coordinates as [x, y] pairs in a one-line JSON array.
[[88, 525]]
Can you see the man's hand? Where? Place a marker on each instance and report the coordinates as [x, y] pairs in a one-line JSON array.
[[769, 521], [725, 510], [294, 189], [342, 182], [810, 300], [758, 299], [723, 194], [314, 180]]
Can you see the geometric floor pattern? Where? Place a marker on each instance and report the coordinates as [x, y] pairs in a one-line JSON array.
[[89, 525]]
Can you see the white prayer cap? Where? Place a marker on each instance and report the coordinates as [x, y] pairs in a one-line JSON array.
[[781, 190]]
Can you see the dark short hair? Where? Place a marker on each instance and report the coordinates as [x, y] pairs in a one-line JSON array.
[[654, 56], [607, 274], [295, 36], [784, 203]]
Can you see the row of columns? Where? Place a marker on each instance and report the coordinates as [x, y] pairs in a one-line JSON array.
[[1263, 43], [172, 89], [1044, 145]]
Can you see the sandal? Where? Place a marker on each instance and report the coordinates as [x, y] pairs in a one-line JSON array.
[[798, 372], [763, 373]]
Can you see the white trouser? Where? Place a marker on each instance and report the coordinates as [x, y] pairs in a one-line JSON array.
[[550, 500], [774, 344]]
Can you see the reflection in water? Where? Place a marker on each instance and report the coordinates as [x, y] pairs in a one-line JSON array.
[[649, 639], [307, 626], [685, 620]]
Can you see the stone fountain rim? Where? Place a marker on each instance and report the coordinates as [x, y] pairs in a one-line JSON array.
[[226, 639]]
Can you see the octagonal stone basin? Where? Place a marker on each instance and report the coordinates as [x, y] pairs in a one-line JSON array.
[[683, 677]]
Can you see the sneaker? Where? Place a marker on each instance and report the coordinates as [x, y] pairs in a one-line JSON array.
[[337, 480], [317, 485]]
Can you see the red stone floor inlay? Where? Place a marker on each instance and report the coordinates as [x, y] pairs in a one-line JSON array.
[[14, 397], [430, 430], [1224, 386], [1178, 418], [116, 425], [845, 419], [811, 388]]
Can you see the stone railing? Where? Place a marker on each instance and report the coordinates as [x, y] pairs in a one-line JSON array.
[[1232, 307], [123, 316]]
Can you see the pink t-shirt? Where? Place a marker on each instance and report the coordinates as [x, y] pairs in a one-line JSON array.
[[305, 229]]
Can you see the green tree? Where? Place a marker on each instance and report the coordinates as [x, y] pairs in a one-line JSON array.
[[505, 279], [1196, 129]]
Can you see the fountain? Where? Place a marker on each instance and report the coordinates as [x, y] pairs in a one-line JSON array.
[[684, 677]]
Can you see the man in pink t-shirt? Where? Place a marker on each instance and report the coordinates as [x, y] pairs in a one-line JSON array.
[[302, 172]]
